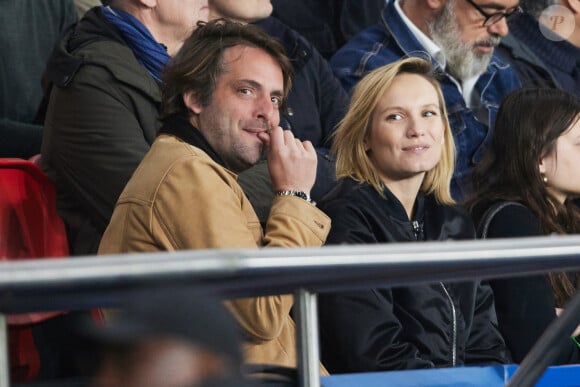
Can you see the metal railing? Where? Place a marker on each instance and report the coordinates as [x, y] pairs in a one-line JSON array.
[[87, 282]]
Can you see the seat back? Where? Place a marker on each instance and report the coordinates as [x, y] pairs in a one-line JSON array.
[[29, 228], [29, 224]]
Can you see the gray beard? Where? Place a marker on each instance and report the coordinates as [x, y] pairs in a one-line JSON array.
[[461, 61]]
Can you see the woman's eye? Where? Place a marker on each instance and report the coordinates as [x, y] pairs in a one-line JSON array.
[[394, 117], [430, 113]]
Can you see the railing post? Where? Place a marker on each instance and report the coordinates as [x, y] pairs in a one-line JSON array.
[[4, 366], [307, 339]]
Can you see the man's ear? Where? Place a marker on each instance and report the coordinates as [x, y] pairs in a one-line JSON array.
[[574, 5], [191, 102], [435, 5], [149, 3]]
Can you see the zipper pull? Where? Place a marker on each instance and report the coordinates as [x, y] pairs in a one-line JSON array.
[[416, 229]]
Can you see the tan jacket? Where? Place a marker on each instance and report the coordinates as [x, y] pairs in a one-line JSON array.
[[179, 199]]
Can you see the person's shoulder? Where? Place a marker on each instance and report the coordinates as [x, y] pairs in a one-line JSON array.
[[348, 194], [510, 219], [450, 214]]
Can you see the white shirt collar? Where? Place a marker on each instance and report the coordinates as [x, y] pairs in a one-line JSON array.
[[466, 86], [429, 45]]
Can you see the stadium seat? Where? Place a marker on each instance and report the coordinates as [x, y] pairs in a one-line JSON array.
[[29, 228]]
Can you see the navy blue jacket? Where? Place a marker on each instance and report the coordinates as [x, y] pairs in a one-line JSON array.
[[561, 57]]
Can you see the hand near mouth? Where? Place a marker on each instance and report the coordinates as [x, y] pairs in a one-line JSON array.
[[291, 162]]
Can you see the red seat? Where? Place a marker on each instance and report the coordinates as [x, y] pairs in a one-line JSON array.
[[29, 228], [29, 224]]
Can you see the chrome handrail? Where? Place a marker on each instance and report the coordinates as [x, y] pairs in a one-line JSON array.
[[37, 285]]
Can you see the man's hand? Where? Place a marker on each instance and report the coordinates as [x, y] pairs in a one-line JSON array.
[[291, 162]]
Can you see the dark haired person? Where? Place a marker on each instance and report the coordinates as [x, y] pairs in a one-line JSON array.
[[221, 99], [172, 337], [523, 187], [315, 104], [102, 85], [395, 157]]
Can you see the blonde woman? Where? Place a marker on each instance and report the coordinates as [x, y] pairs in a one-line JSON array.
[[395, 157]]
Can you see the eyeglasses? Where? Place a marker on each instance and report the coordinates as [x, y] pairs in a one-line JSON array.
[[492, 18]]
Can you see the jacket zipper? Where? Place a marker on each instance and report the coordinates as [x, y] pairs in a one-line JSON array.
[[453, 312], [416, 229]]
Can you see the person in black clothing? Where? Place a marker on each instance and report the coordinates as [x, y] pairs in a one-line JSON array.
[[328, 24], [395, 160], [523, 187]]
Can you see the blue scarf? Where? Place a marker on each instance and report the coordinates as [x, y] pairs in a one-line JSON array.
[[150, 53]]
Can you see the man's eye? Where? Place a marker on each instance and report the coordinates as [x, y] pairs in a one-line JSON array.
[[277, 101], [245, 91]]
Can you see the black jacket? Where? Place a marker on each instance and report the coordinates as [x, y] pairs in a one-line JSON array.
[[421, 326], [525, 306]]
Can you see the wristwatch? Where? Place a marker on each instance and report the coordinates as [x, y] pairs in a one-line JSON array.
[[300, 194]]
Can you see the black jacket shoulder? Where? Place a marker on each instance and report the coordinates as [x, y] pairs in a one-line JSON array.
[[351, 204]]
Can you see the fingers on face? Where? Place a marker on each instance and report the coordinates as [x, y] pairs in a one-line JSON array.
[[276, 137]]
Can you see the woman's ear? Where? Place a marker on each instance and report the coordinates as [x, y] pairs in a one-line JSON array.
[[190, 100], [542, 166], [366, 145]]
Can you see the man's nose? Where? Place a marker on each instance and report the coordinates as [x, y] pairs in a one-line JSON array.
[[500, 28], [266, 110]]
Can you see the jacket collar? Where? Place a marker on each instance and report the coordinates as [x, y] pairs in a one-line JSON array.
[[297, 48], [180, 127], [396, 207], [561, 52]]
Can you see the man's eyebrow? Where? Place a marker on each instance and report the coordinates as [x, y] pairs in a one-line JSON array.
[[258, 85], [496, 6]]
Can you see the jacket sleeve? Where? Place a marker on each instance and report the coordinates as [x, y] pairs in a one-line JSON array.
[[485, 343], [359, 330], [219, 216], [92, 135]]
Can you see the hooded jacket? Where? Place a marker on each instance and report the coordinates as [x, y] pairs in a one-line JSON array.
[[419, 326], [100, 120]]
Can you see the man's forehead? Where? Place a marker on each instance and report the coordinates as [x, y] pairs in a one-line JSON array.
[[244, 62]]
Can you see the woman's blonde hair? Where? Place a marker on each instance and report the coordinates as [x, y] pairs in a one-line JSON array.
[[351, 158]]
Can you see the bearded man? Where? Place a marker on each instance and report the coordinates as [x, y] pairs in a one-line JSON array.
[[459, 37]]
